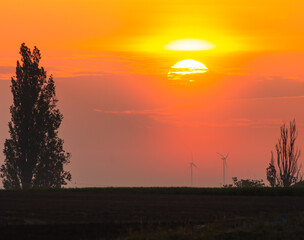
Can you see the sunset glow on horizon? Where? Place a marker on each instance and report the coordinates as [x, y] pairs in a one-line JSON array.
[[143, 84]]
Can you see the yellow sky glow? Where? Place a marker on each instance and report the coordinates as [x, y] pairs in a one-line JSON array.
[[189, 45]]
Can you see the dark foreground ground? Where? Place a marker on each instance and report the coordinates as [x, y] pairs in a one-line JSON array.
[[152, 213]]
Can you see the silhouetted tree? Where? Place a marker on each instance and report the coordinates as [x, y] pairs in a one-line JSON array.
[[271, 173], [34, 155], [287, 169]]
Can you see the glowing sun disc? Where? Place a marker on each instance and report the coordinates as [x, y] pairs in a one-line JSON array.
[[189, 63], [188, 66], [187, 70]]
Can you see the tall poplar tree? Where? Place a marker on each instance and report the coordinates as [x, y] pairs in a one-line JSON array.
[[34, 155]]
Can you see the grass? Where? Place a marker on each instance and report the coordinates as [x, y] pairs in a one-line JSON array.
[[153, 213], [259, 191], [278, 227]]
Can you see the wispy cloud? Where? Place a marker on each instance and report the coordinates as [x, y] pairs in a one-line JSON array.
[[184, 116], [7, 69], [159, 111], [273, 88], [6, 72], [274, 98], [90, 73], [264, 123]]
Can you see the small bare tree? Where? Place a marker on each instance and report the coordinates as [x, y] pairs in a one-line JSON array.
[[286, 158]]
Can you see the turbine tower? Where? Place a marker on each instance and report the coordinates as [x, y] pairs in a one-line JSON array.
[[191, 165], [224, 166]]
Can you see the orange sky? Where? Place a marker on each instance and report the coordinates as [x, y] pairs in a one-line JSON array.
[[125, 123]]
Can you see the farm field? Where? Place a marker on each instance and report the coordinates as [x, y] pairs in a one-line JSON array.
[[152, 213]]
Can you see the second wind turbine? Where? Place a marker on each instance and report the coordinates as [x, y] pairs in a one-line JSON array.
[[191, 165], [224, 166]]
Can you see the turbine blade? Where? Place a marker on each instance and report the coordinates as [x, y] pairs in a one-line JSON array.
[[227, 155], [194, 165], [220, 154]]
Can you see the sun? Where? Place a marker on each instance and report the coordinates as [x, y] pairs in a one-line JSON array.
[[187, 70], [189, 66]]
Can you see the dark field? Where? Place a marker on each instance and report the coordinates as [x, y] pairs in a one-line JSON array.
[[152, 213]]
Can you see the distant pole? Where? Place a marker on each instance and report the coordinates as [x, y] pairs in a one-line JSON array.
[[191, 174], [224, 172]]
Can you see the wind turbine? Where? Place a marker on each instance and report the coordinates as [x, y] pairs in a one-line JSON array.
[[224, 165], [191, 165]]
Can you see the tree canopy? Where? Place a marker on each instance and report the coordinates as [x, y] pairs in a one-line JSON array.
[[34, 154]]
